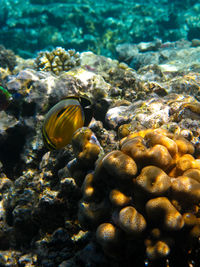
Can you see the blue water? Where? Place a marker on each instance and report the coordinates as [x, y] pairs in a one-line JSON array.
[[28, 26]]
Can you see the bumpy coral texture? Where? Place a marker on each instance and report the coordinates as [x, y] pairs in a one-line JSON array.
[[145, 196], [86, 149], [57, 60]]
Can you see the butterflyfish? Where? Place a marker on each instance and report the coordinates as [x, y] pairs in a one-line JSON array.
[[63, 119]]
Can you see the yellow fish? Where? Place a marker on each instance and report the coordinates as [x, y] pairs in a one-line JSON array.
[[63, 119]]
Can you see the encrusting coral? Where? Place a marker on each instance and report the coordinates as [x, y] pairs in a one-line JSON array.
[[144, 197], [57, 60]]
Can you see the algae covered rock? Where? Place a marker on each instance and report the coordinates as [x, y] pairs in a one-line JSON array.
[[7, 58]]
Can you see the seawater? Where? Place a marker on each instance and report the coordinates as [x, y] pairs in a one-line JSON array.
[[29, 26]]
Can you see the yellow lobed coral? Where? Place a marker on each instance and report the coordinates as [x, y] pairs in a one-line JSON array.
[[85, 146], [86, 149], [150, 189]]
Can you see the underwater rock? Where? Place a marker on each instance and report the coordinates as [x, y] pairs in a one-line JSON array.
[[6, 121], [105, 137], [171, 111], [178, 56], [88, 255], [48, 213], [28, 259], [144, 112], [126, 52], [7, 58], [195, 42], [9, 258], [116, 116], [149, 46], [59, 243]]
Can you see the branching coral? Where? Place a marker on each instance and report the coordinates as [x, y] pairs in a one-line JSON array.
[[57, 60]]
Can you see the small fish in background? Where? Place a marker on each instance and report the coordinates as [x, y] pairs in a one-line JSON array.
[[5, 98], [63, 119]]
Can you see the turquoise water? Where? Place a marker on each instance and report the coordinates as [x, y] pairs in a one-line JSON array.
[[28, 26]]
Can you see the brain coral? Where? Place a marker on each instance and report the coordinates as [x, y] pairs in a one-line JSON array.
[[57, 60], [144, 198]]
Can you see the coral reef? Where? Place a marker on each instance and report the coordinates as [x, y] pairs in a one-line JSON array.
[[94, 202], [145, 194], [57, 60]]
